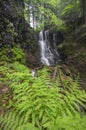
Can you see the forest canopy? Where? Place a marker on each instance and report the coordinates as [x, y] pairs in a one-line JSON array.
[[53, 12]]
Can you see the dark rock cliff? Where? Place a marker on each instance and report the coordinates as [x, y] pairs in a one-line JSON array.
[[14, 30], [13, 27]]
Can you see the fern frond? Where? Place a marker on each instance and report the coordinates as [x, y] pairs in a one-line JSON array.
[[40, 102], [12, 121]]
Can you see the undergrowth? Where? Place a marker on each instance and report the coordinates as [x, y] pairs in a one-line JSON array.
[[39, 103], [9, 55]]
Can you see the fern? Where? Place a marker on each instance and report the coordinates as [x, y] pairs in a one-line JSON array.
[[39, 102], [18, 55], [12, 121], [10, 55], [68, 123]]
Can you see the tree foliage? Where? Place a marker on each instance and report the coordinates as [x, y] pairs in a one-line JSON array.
[[53, 13], [43, 12]]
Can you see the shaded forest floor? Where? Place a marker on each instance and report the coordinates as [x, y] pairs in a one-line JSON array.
[[5, 96]]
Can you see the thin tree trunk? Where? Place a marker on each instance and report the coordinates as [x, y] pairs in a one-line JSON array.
[[84, 10]]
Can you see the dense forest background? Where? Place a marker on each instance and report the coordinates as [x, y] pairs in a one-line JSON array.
[[54, 98]]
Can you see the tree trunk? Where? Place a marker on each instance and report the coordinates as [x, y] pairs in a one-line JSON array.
[[84, 10]]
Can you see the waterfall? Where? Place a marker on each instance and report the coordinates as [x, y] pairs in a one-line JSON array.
[[49, 54]]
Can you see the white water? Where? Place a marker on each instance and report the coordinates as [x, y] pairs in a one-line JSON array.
[[49, 55], [33, 73]]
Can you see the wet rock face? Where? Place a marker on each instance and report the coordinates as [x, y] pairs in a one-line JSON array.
[[14, 30], [55, 37], [12, 9], [8, 14], [13, 27]]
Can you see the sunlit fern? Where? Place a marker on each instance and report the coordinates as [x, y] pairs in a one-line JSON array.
[[12, 121], [40, 102]]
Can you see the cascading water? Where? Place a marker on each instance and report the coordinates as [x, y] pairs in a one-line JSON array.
[[49, 54]]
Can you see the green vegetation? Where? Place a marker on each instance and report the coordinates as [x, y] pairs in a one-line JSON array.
[[54, 14], [53, 99], [9, 55], [44, 13], [40, 102]]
